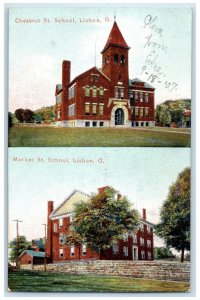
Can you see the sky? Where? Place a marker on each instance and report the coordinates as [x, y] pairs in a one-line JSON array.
[[160, 41], [142, 174]]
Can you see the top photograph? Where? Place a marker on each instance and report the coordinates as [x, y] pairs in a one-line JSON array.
[[99, 76]]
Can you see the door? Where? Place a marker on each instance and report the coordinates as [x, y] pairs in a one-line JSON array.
[[135, 253], [119, 117]]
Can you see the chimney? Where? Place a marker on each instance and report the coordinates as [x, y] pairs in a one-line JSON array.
[[102, 189], [66, 68], [144, 216], [119, 196], [49, 230]]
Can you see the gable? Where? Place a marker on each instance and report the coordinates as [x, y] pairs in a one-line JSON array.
[[68, 204]]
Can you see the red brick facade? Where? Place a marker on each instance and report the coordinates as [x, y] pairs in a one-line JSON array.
[[138, 246], [105, 97]]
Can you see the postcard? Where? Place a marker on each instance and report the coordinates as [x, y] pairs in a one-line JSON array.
[[99, 156], [100, 76]]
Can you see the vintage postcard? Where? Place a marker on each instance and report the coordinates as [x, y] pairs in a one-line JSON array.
[[91, 220], [100, 76], [99, 157]]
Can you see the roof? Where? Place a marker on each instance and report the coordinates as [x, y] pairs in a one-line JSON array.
[[115, 38], [67, 205], [38, 242], [33, 253], [146, 85], [94, 69], [187, 113]]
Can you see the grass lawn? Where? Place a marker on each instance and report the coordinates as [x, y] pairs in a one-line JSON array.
[[35, 281], [96, 137]]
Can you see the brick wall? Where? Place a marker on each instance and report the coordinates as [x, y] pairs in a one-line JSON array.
[[172, 271]]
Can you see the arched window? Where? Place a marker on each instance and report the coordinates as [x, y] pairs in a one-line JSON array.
[[87, 91], [116, 58], [101, 91], [122, 61], [119, 117], [94, 91]]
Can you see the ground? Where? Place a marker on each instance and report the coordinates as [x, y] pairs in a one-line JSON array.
[[38, 281], [40, 136]]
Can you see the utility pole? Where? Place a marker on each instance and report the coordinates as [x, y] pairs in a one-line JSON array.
[[45, 246], [17, 230]]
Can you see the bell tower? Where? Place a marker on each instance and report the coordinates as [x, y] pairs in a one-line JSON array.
[[115, 63]]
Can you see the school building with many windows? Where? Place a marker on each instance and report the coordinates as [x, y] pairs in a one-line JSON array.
[[105, 97], [134, 246]]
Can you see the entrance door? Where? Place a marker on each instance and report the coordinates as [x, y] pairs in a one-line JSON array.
[[135, 253], [119, 117]]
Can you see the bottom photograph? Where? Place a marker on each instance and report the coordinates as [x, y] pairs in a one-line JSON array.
[[101, 220]]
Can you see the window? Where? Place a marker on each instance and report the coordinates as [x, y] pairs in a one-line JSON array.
[[61, 222], [146, 97], [141, 97], [135, 239], [141, 226], [94, 77], [101, 109], [131, 94], [87, 124], [71, 111], [116, 58], [84, 249], [94, 91], [122, 61], [146, 111], [122, 93], [125, 251], [141, 241], [94, 108], [101, 91], [142, 124], [59, 98], [101, 124], [71, 218], [148, 228], [29, 261], [149, 243], [137, 124], [149, 254], [71, 92], [115, 249], [54, 227], [87, 91], [87, 108], [94, 124], [142, 254], [61, 252], [147, 124], [136, 111], [61, 238], [125, 237], [58, 113], [136, 96], [141, 112], [72, 250]]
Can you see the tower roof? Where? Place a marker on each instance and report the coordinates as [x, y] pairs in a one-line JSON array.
[[115, 38]]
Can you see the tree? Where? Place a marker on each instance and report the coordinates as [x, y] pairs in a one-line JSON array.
[[174, 227], [103, 220], [19, 113], [74, 238], [28, 115], [23, 244], [163, 253]]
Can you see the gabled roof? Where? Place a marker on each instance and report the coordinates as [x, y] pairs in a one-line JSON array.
[[93, 69], [146, 85], [115, 38], [67, 205], [33, 253]]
